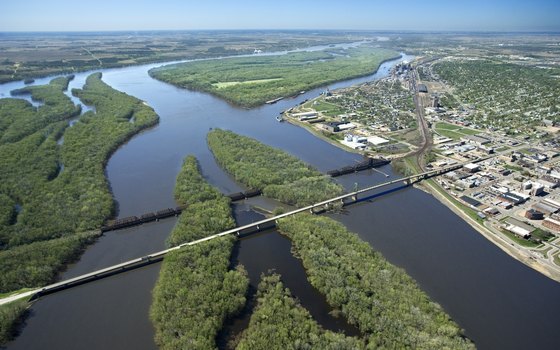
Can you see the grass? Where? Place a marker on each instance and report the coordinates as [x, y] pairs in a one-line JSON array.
[[447, 126], [251, 81], [227, 84], [521, 241], [468, 211], [453, 131], [513, 167], [327, 108], [19, 291]]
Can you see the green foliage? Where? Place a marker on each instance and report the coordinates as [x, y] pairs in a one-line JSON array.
[[19, 119], [303, 191], [195, 294], [7, 210], [279, 322], [60, 189], [10, 316], [191, 186], [196, 291], [377, 297], [37, 264], [251, 81], [278, 174]]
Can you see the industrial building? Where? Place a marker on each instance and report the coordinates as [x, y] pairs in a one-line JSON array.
[[517, 227], [552, 224]]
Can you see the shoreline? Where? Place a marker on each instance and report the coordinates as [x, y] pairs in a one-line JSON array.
[[484, 231], [501, 243]]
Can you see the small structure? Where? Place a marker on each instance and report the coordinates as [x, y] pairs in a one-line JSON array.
[[377, 141], [472, 168], [422, 88], [533, 214], [476, 139], [513, 198], [552, 224], [517, 227]]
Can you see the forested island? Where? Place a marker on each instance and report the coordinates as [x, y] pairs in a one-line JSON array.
[[53, 189], [196, 291], [380, 299], [252, 81], [278, 174]]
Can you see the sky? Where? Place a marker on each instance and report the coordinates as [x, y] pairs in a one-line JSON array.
[[427, 15]]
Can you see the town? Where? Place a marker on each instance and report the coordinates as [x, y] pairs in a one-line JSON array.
[[515, 194]]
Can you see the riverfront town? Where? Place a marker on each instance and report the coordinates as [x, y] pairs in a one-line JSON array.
[[512, 124]]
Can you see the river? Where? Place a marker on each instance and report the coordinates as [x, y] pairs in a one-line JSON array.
[[499, 302]]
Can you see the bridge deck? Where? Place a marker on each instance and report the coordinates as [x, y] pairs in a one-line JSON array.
[[158, 256]]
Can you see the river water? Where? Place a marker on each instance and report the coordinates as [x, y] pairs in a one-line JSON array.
[[498, 301]]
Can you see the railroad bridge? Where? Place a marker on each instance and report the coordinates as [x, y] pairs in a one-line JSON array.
[[354, 197]]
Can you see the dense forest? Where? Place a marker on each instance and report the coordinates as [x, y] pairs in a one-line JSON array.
[[279, 322], [53, 184], [278, 174], [380, 299], [50, 188], [197, 291], [251, 81]]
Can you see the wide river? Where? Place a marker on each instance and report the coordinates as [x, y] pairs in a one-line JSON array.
[[501, 303]]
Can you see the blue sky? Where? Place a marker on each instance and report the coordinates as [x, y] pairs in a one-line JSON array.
[[471, 15]]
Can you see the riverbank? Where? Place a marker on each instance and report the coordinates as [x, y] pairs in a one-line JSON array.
[[507, 247]]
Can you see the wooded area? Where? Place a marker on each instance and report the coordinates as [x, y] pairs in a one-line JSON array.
[[278, 174], [196, 291]]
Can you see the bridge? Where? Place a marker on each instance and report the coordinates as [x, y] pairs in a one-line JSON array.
[[130, 221], [265, 224]]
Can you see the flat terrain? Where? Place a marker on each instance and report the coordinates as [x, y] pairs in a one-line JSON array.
[[30, 55], [252, 81]]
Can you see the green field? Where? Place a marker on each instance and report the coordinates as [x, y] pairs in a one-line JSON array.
[[251, 81], [247, 82], [453, 131]]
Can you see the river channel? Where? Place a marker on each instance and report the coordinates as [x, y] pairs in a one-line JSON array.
[[501, 303]]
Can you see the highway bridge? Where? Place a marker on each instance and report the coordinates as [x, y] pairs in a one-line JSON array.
[[344, 200]]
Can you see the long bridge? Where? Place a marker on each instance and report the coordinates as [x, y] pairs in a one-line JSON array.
[[265, 224]]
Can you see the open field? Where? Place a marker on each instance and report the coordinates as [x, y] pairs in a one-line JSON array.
[[251, 81], [30, 55]]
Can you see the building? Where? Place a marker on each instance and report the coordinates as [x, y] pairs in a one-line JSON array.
[[377, 141], [513, 198], [532, 187], [549, 181], [552, 224], [545, 208], [476, 139], [422, 88], [332, 126], [517, 227], [471, 167], [533, 214]]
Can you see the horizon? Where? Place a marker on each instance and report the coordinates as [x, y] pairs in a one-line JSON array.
[[358, 15], [281, 30]]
